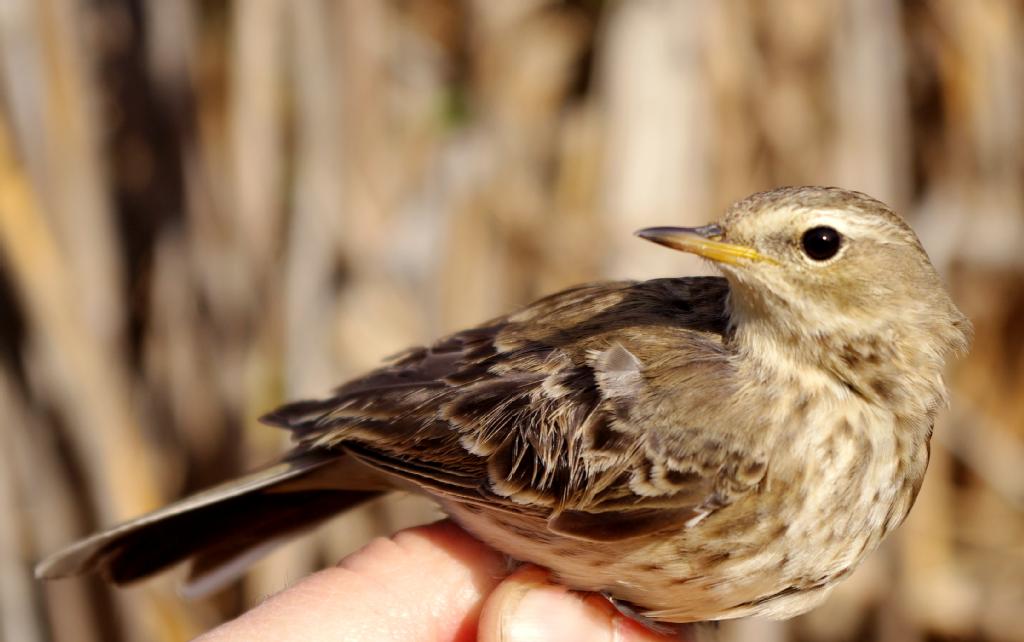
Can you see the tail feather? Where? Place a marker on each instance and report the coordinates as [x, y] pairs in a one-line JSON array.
[[216, 525]]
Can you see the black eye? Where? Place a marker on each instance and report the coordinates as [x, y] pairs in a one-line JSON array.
[[821, 243]]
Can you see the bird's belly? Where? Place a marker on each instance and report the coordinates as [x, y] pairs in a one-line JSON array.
[[775, 553], [670, 577]]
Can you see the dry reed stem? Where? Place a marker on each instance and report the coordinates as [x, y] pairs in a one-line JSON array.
[[88, 383]]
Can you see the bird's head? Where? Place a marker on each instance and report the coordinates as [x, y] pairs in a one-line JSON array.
[[827, 267]]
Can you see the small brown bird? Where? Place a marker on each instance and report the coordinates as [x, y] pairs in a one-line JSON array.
[[695, 448]]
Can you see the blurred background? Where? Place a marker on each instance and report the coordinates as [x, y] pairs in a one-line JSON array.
[[207, 208]]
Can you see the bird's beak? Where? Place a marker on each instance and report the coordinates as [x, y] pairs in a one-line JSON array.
[[703, 241]]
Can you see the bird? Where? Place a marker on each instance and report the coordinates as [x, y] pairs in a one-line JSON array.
[[694, 448]]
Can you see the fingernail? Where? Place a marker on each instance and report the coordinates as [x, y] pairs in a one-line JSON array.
[[528, 607], [546, 611]]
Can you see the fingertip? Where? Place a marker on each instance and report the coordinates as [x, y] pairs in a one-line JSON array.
[[528, 607]]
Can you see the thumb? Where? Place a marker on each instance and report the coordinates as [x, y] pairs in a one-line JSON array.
[[528, 607]]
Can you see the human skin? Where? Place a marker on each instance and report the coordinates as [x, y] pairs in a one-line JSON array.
[[433, 584]]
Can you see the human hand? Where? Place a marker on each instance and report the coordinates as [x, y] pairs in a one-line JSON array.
[[432, 583]]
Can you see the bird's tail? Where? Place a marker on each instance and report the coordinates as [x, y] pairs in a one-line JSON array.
[[215, 526]]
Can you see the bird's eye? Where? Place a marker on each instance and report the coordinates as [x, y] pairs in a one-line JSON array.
[[821, 243]]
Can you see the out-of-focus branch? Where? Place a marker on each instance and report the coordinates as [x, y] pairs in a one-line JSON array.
[[38, 507], [16, 594], [90, 382]]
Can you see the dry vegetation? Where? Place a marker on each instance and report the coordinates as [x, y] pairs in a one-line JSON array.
[[209, 207]]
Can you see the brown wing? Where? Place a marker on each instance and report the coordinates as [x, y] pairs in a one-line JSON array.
[[569, 409]]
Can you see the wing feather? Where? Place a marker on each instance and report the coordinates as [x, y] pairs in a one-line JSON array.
[[540, 411]]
